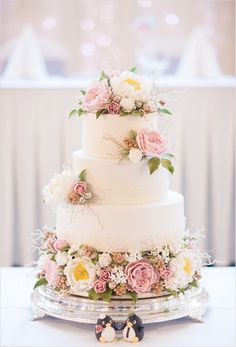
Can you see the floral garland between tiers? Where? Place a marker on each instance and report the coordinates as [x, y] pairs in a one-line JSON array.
[[73, 270], [122, 93]]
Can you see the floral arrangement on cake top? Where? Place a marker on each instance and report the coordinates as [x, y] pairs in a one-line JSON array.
[[122, 93], [84, 270], [67, 188]]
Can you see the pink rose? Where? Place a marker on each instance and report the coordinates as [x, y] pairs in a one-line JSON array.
[[151, 143], [59, 244], [113, 107], [141, 276], [105, 275], [80, 187], [99, 286], [97, 96], [166, 273], [51, 271]]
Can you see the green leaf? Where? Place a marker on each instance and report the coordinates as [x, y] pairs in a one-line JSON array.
[[95, 260], [82, 175], [104, 76], [133, 134], [153, 164], [80, 112], [138, 113], [166, 163], [182, 290], [163, 110], [65, 249], [133, 296], [169, 155], [93, 295], [133, 69], [171, 291], [106, 296], [41, 282], [100, 112], [83, 92], [73, 113], [194, 283], [125, 152], [122, 113]]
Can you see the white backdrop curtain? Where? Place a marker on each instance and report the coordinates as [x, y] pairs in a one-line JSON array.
[[37, 138]]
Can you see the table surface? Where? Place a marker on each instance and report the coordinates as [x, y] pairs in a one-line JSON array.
[[18, 329]]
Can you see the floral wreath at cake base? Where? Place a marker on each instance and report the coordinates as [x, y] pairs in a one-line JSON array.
[[68, 269]]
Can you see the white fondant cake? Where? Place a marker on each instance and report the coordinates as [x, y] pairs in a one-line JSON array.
[[138, 211], [119, 230]]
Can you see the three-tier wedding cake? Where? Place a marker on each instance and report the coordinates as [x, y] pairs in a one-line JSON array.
[[119, 229]]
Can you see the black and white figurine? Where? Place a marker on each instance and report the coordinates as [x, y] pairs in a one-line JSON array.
[[134, 329], [105, 329]]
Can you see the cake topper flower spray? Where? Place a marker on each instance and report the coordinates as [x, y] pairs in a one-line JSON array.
[[122, 93]]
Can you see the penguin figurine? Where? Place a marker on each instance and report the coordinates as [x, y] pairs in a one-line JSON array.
[[134, 329], [105, 329]]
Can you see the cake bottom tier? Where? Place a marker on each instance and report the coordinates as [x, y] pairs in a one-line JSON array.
[[120, 228]]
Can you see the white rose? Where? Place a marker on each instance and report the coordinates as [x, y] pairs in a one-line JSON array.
[[135, 155], [127, 104], [60, 186], [61, 258], [104, 259]]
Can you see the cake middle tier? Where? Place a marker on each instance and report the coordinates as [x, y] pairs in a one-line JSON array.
[[121, 182], [119, 228]]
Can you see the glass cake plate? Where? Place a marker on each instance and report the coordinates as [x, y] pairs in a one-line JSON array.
[[192, 303]]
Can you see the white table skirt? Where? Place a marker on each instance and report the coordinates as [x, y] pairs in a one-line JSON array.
[[17, 328]]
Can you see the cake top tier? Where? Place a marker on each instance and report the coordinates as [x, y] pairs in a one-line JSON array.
[[120, 121], [105, 138]]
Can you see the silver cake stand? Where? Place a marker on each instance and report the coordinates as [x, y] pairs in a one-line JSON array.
[[80, 309]]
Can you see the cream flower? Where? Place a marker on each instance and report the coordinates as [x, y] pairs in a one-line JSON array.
[[183, 268], [60, 186], [118, 275], [175, 247], [127, 104], [135, 155], [130, 85], [80, 274], [61, 258], [104, 259], [133, 255]]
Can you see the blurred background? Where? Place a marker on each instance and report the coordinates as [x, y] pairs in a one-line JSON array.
[[49, 49]]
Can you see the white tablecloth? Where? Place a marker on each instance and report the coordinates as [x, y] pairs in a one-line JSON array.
[[17, 328]]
